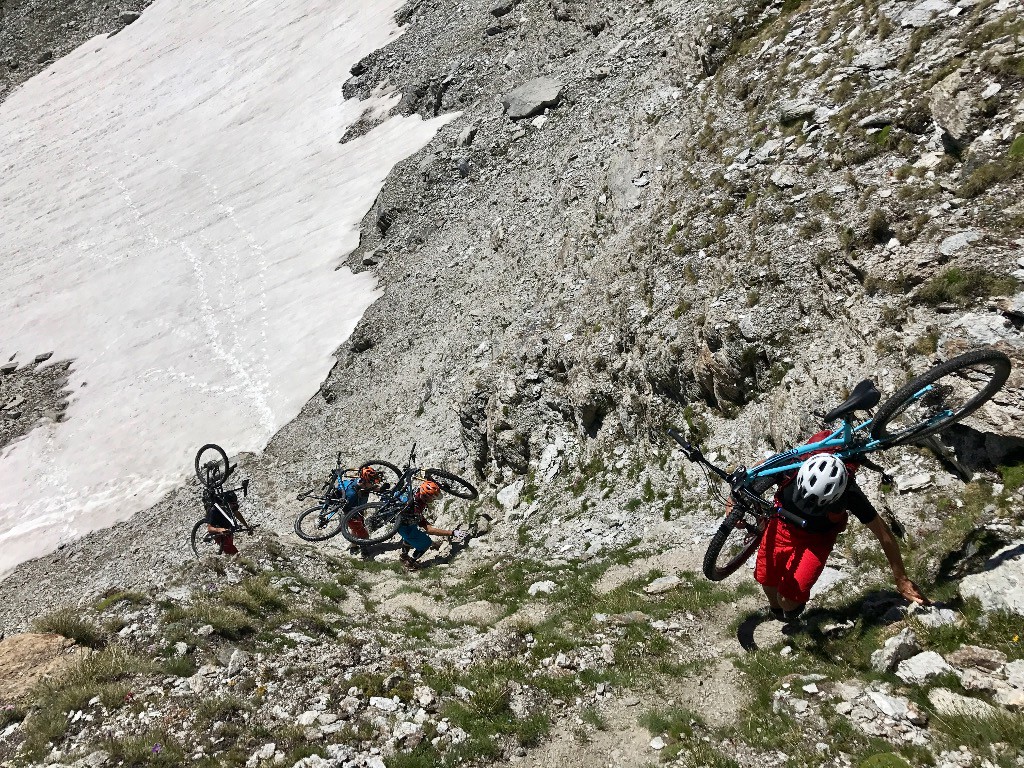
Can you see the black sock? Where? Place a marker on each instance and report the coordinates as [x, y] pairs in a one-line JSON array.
[[417, 554], [793, 614]]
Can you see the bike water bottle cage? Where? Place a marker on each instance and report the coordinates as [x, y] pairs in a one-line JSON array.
[[864, 396]]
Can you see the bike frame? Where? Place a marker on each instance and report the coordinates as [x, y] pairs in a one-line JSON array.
[[842, 441]]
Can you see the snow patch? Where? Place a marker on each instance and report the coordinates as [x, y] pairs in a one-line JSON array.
[[175, 200]]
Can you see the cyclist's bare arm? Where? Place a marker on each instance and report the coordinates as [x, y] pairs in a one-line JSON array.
[[242, 520], [891, 548]]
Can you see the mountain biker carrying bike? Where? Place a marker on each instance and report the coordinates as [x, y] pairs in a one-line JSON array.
[[789, 561], [357, 492], [216, 502], [416, 530]]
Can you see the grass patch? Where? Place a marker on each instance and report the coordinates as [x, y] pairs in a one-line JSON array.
[[120, 596], [487, 717], [229, 623], [990, 174], [962, 286], [105, 674], [67, 622], [986, 736], [152, 748]]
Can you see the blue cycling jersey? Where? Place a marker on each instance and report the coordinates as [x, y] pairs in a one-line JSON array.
[[354, 497]]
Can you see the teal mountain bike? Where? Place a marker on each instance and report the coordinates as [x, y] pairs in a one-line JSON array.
[[927, 404]]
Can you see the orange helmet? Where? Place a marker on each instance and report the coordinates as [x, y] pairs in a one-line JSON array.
[[428, 490], [370, 476]]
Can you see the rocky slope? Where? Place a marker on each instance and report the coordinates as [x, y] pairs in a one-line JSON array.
[[724, 218]]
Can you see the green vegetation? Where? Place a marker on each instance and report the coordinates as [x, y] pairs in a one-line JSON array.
[[104, 674], [68, 623], [963, 285], [681, 729], [990, 174], [119, 596]]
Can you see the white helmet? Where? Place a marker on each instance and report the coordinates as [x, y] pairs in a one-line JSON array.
[[820, 481]]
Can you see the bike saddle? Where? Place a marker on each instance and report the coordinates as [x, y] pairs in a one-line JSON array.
[[864, 396]]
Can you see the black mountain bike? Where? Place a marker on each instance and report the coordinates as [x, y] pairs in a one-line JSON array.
[[928, 404], [325, 519], [382, 518], [212, 471]]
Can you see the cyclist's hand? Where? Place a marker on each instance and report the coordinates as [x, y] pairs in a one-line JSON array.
[[460, 536], [909, 590]]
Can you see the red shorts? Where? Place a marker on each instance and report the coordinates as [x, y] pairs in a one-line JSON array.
[[791, 560], [358, 528], [227, 543]]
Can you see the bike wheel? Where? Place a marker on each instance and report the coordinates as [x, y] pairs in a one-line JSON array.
[[212, 466], [452, 484], [319, 524], [733, 543], [944, 395], [381, 520], [389, 472], [203, 543]]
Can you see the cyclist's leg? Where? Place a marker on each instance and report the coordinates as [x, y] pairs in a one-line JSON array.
[[415, 538], [767, 571], [224, 539], [358, 527], [807, 554]]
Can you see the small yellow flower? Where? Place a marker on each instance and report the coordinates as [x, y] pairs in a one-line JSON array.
[[1016, 638]]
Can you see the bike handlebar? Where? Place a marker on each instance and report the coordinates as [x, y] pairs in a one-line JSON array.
[[734, 479]]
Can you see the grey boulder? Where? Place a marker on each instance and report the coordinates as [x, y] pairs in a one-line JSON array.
[[532, 97]]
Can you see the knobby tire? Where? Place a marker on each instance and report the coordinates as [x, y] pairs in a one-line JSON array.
[[755, 531], [213, 468], [390, 472], [891, 408], [319, 528], [379, 530], [452, 484]]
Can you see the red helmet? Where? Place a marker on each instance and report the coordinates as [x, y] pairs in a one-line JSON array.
[[428, 490], [370, 476]]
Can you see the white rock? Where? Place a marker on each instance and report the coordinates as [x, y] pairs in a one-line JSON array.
[[948, 703], [1000, 586], [542, 588], [1014, 672], [404, 729], [923, 13], [237, 662], [424, 695], [381, 703], [783, 176], [657, 743], [829, 578], [921, 668], [872, 58], [897, 648], [957, 242], [895, 707], [549, 461], [307, 718], [914, 482], [508, 497], [663, 584], [205, 630], [991, 91], [937, 617]]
